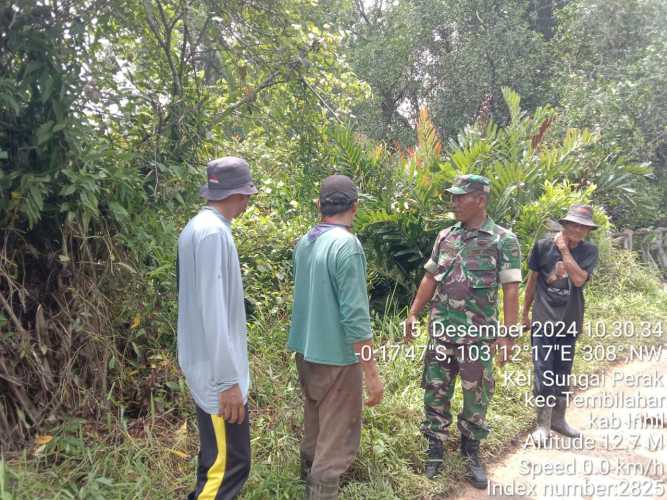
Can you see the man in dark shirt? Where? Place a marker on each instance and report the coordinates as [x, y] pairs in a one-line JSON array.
[[559, 269]]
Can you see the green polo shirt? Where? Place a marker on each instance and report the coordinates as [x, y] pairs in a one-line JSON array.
[[330, 311]]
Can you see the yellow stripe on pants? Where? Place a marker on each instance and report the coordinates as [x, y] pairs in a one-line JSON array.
[[216, 473]]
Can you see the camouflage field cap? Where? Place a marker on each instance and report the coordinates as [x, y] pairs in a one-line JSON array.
[[580, 214], [470, 183]]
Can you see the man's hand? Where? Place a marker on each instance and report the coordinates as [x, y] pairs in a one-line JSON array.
[[372, 381], [561, 242], [231, 408], [525, 322], [374, 390], [410, 330], [424, 295], [503, 350], [560, 270]]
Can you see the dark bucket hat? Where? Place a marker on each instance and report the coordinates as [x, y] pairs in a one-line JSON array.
[[580, 214], [227, 176]]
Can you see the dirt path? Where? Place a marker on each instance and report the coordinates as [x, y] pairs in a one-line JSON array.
[[624, 454]]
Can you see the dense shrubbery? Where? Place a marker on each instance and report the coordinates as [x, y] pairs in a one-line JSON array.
[[611, 77], [601, 62], [536, 173], [108, 113]]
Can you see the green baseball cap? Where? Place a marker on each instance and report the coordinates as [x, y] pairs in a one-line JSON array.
[[470, 183]]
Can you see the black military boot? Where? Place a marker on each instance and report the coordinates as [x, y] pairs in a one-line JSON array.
[[558, 422], [476, 472], [434, 456]]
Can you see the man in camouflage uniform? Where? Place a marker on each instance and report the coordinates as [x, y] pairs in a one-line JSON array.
[[469, 261]]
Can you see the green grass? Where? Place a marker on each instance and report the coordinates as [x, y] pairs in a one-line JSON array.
[[155, 457]]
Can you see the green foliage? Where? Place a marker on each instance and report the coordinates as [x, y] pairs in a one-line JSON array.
[[39, 126], [266, 241], [611, 77], [399, 223], [447, 55], [362, 160], [109, 112], [621, 270], [600, 64], [535, 175]]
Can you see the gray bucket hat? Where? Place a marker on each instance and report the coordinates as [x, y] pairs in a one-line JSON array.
[[227, 176], [580, 214]]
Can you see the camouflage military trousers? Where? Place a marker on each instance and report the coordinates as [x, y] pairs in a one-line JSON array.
[[442, 363]]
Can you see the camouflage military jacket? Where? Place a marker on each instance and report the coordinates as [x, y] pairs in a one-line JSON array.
[[468, 266]]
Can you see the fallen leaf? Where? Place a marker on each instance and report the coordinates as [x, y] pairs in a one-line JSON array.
[[183, 429], [181, 434], [43, 439], [180, 454], [136, 321]]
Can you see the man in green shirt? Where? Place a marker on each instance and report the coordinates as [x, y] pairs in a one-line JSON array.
[[331, 336], [469, 262]]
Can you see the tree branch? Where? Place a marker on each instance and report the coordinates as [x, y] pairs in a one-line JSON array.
[[362, 10], [10, 312], [270, 81], [322, 101], [164, 43]]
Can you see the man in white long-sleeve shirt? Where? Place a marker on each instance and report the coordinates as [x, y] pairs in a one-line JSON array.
[[212, 344]]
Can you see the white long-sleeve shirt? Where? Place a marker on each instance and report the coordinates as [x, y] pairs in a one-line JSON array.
[[212, 334]]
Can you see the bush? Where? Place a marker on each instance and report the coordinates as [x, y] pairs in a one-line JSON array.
[[535, 174]]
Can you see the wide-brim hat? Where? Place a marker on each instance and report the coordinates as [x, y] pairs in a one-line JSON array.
[[227, 176], [580, 214]]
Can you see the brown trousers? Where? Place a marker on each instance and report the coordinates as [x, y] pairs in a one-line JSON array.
[[331, 417]]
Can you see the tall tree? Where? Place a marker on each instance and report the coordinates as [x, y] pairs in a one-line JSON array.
[[611, 75], [444, 54]]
